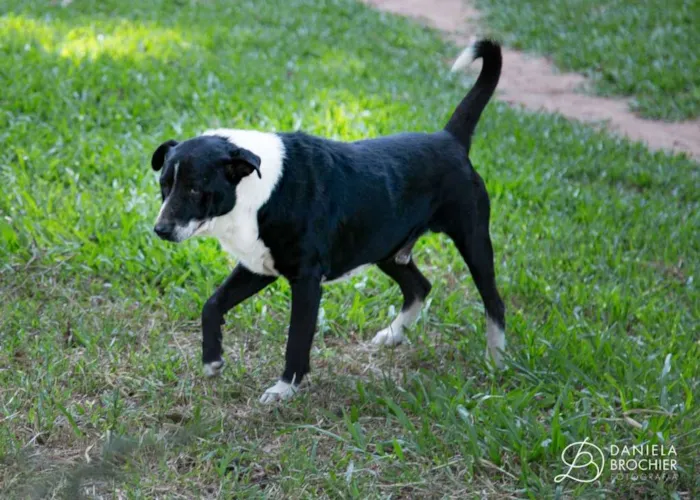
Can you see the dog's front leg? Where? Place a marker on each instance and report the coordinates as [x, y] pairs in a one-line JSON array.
[[306, 297], [240, 285]]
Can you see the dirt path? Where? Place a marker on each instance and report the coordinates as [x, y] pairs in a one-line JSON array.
[[534, 82]]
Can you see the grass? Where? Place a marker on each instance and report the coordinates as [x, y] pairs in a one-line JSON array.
[[101, 391], [641, 50]]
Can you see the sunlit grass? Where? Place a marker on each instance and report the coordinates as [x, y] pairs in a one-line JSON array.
[[121, 39]]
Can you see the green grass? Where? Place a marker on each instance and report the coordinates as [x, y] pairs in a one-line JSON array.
[[101, 389], [643, 50]]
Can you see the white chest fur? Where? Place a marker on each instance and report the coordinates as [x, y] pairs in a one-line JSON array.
[[238, 231], [238, 234]]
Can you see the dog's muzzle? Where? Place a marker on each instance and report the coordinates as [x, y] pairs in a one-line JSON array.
[[177, 232], [165, 231]]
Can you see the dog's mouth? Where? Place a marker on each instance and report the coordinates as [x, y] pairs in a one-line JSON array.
[[194, 228], [199, 227]]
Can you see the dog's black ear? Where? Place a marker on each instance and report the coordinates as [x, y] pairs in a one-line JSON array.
[[242, 164], [158, 157]]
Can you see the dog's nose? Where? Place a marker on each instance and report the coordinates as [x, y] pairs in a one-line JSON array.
[[164, 230]]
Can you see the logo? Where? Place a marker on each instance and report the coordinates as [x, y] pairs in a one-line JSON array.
[[586, 462], [646, 461], [586, 459]]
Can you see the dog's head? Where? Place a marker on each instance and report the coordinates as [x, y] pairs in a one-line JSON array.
[[198, 180]]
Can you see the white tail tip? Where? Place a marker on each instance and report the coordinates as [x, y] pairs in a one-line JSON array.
[[465, 58]]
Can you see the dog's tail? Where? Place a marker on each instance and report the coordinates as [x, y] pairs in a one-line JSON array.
[[463, 121]]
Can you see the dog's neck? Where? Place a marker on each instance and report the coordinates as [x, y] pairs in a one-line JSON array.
[[252, 191], [238, 230]]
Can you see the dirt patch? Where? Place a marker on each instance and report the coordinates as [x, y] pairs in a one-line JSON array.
[[534, 82]]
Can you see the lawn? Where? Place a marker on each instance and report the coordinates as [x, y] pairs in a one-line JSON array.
[[642, 50], [101, 390]]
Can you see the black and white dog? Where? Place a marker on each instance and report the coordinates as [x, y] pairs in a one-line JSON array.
[[315, 211]]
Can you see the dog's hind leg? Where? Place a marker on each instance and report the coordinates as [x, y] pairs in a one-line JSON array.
[[471, 236], [478, 254], [415, 288]]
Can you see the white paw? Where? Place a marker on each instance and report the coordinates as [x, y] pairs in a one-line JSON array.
[[389, 336], [496, 342], [214, 368], [495, 357], [281, 391]]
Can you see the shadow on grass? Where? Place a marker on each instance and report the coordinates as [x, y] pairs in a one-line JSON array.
[[43, 479]]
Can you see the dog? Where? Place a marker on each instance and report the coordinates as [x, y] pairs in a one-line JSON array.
[[316, 211]]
